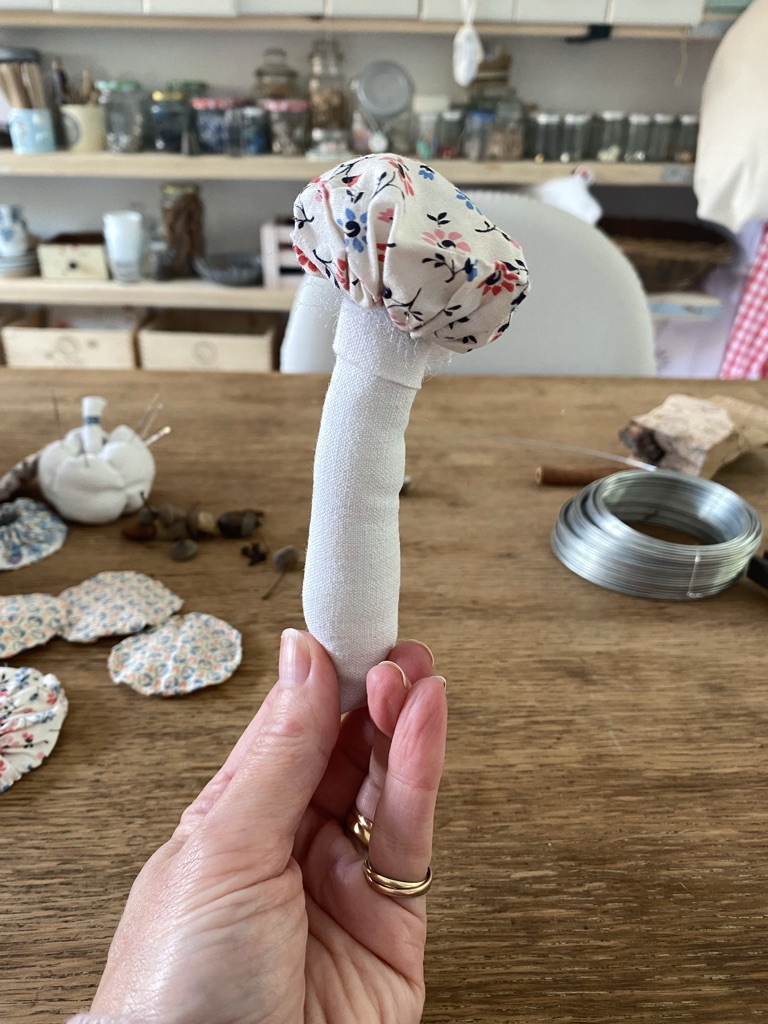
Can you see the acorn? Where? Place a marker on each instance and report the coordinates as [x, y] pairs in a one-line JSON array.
[[139, 530], [284, 559], [239, 524], [177, 530], [147, 515], [200, 523], [183, 549], [170, 514]]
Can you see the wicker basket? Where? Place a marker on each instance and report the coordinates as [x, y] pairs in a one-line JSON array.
[[669, 256]]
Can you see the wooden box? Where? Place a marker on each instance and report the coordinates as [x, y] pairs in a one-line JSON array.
[[80, 257], [96, 339], [232, 340], [279, 263]]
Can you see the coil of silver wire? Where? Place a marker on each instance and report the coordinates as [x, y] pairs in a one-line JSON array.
[[593, 538]]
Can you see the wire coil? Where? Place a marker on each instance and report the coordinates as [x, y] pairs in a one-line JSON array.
[[593, 539]]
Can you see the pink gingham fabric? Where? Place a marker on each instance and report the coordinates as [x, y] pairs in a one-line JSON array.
[[746, 353]]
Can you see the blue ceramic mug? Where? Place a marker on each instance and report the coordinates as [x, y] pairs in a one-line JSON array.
[[31, 131]]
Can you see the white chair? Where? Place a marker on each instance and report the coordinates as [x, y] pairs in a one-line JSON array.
[[586, 312]]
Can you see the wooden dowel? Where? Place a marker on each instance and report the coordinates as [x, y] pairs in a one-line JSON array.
[[575, 476]]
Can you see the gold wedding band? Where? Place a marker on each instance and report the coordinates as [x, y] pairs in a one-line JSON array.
[[394, 886], [359, 826]]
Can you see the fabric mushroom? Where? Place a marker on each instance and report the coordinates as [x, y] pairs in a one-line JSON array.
[[423, 271]]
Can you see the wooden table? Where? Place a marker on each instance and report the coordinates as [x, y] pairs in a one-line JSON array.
[[601, 842]]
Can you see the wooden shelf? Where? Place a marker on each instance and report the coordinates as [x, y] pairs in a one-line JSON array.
[[192, 294], [711, 27], [168, 166]]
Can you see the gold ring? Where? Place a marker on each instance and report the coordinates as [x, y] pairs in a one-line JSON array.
[[394, 886], [359, 826]]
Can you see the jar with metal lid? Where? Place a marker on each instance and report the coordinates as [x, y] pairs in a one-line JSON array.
[[686, 139], [191, 87], [275, 79], [506, 139], [575, 137], [610, 136], [287, 125], [170, 113], [123, 103], [638, 137], [183, 226], [254, 130], [477, 129], [544, 135], [449, 129], [660, 139], [327, 87], [210, 117]]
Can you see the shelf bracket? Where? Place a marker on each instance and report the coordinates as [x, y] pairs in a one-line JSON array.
[[593, 34]]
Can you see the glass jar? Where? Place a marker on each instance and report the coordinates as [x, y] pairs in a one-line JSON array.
[[575, 137], [287, 125], [638, 137], [189, 86], [506, 139], [686, 138], [426, 134], [123, 103], [544, 134], [254, 130], [211, 123], [182, 226], [449, 131], [610, 136], [170, 114], [660, 140], [275, 80], [477, 129], [327, 87]]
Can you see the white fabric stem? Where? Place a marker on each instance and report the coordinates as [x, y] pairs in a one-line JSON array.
[[352, 571]]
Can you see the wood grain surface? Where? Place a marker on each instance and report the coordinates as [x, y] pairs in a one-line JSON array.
[[600, 850]]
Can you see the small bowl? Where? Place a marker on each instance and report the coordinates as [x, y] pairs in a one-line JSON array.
[[236, 269]]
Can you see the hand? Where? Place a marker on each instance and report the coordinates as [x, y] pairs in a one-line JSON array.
[[257, 908]]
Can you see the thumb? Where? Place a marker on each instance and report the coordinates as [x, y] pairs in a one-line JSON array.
[[286, 752]]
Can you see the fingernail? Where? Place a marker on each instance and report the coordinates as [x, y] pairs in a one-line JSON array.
[[442, 680], [295, 658], [421, 644], [403, 676]]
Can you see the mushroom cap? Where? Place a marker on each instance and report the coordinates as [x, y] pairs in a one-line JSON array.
[[393, 232]]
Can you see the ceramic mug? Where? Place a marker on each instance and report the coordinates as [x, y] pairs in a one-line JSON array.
[[14, 240], [31, 131], [85, 127], [124, 239]]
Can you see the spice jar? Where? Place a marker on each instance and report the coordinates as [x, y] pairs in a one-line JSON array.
[[610, 136], [170, 113], [210, 116], [123, 103], [275, 80], [182, 226], [327, 87], [477, 129], [449, 132], [684, 148], [287, 125], [544, 132], [575, 137], [638, 136], [660, 140]]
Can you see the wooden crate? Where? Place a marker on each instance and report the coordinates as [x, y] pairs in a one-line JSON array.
[[98, 339], [228, 341], [279, 263], [80, 257]]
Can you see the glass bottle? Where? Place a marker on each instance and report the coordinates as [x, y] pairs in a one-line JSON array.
[[610, 136], [123, 103], [506, 139], [170, 114], [575, 139], [182, 226], [544, 133], [449, 131], [327, 87], [660, 141], [275, 80], [684, 148], [638, 137], [477, 129], [211, 122]]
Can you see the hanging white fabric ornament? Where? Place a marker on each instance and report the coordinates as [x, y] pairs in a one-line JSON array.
[[94, 477], [421, 270], [467, 47]]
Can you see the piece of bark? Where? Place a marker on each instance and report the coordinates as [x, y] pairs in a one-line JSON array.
[[570, 476]]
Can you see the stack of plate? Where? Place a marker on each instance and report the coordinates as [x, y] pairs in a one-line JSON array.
[[24, 265]]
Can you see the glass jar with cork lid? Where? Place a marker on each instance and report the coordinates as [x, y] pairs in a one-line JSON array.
[[182, 210]]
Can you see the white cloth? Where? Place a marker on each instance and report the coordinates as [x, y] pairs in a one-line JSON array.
[[731, 175]]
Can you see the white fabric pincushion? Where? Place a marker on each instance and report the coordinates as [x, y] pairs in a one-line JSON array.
[[424, 271], [94, 477]]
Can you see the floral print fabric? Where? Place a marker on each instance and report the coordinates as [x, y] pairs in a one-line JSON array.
[[28, 620], [32, 710], [113, 603], [392, 232], [185, 654], [29, 532]]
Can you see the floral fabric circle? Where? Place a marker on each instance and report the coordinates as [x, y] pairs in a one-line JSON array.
[[393, 232], [186, 653], [22, 473], [114, 603], [29, 532], [29, 620], [32, 710]]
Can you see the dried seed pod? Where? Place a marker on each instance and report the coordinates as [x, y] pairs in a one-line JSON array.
[[140, 530], [240, 523], [200, 523], [183, 549], [255, 553], [170, 514], [177, 530], [284, 559], [147, 515]]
